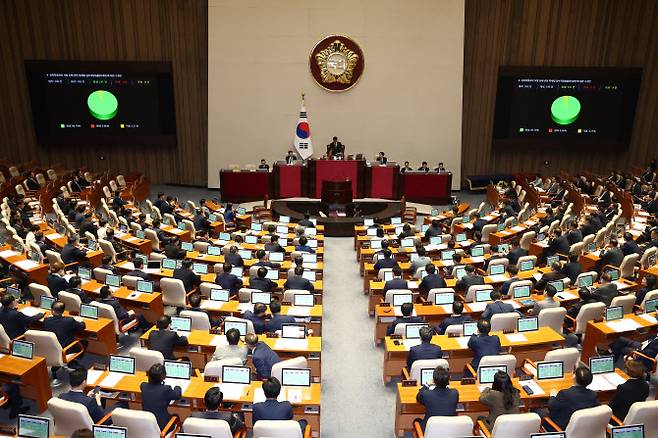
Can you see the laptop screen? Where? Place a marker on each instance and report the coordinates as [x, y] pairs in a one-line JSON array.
[[112, 280], [477, 251], [435, 240], [109, 432], [550, 370], [87, 311], [240, 326], [447, 255], [529, 324], [396, 220], [614, 274], [459, 272], [371, 232], [497, 269], [178, 370], [482, 296], [521, 291], [426, 376], [412, 331], [602, 364], [261, 297], [187, 246], [224, 236], [313, 258], [527, 265], [400, 299], [303, 300], [651, 305], [214, 250], [84, 273], [631, 431], [233, 374], [241, 210], [293, 331], [558, 285], [14, 291], [503, 247], [549, 435], [486, 373], [388, 275], [181, 226], [245, 254], [220, 295], [182, 323], [444, 298], [256, 227], [284, 219], [200, 268], [282, 229], [92, 245], [309, 275], [434, 212], [552, 259], [33, 427], [585, 280], [122, 364], [145, 286], [500, 227], [237, 271], [272, 274], [460, 237], [22, 349], [46, 302], [407, 243], [276, 257], [614, 313], [140, 234], [154, 264], [296, 377], [469, 328], [251, 239], [368, 222]]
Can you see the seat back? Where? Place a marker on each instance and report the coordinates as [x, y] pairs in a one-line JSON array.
[[518, 283], [211, 428], [173, 292], [627, 267], [626, 301], [200, 320], [382, 271], [497, 261], [588, 313], [644, 412], [504, 321], [47, 346], [486, 231], [100, 274], [37, 290], [153, 237], [569, 356], [526, 240], [651, 295], [439, 427], [525, 259], [5, 342], [130, 281], [68, 416], [107, 311], [594, 275], [431, 294], [516, 425], [644, 261], [140, 424], [53, 257], [214, 367], [553, 318], [590, 422], [71, 301], [108, 249], [508, 360], [414, 372], [295, 362], [145, 359], [455, 329], [277, 429], [472, 291], [389, 294], [577, 248], [289, 295]]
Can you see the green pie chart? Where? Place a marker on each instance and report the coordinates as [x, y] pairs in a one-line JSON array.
[[102, 104], [565, 110]]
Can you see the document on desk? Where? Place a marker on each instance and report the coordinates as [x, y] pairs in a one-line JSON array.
[[498, 278], [518, 228], [621, 285], [477, 259], [600, 383], [412, 284], [447, 308], [623, 325], [93, 376], [614, 379], [516, 337], [512, 303], [534, 386], [408, 343], [8, 253], [294, 395], [26, 264], [481, 388], [134, 239], [477, 307], [30, 311], [310, 265], [243, 307], [51, 236], [649, 318], [183, 383], [259, 395], [463, 341], [564, 295], [212, 305], [111, 380], [291, 344], [183, 333], [299, 311], [219, 340]]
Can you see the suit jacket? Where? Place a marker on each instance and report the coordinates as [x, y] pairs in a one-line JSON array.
[[156, 398], [546, 303], [120, 312], [64, 327], [574, 236], [630, 247], [420, 262], [16, 323], [305, 248], [613, 256], [402, 320], [56, 284], [559, 245], [264, 284], [273, 247], [606, 293], [548, 277], [200, 222], [451, 320], [277, 320], [232, 419], [95, 412], [84, 298], [497, 307], [174, 252], [396, 283], [438, 401], [385, 263], [88, 225], [234, 259], [228, 281], [138, 273], [629, 392], [272, 265], [165, 341], [431, 281], [483, 346], [260, 325], [568, 401], [298, 282], [263, 359], [504, 288], [468, 281], [188, 277], [72, 254], [423, 351], [433, 232], [272, 410], [572, 270]]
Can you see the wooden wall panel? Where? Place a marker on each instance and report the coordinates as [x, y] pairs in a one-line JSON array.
[[119, 30], [591, 33]]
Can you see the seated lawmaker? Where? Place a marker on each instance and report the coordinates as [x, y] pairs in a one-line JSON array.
[[213, 402], [425, 350], [397, 282], [277, 320], [228, 281], [291, 158], [156, 395], [440, 401], [260, 281], [263, 165], [71, 252], [606, 291], [554, 275], [434, 230], [91, 401], [185, 273], [335, 148], [440, 168], [271, 408], [164, 340], [262, 356], [424, 167], [273, 245], [422, 259], [232, 349], [263, 260], [472, 278], [483, 344], [457, 317], [64, 327], [386, 262], [407, 310], [138, 264], [56, 280], [234, 258], [381, 158], [258, 317], [567, 401], [432, 280], [297, 281], [547, 303], [633, 390], [14, 322], [303, 246], [406, 167], [498, 306], [502, 398]]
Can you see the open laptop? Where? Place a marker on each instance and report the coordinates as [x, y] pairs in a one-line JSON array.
[[220, 295], [368, 222], [177, 370], [396, 220], [371, 232], [446, 255], [614, 274], [240, 326], [181, 323], [256, 226], [469, 328], [245, 254], [529, 324], [282, 229], [441, 298], [400, 299], [200, 268], [154, 264], [557, 284], [261, 297], [113, 280], [225, 236], [486, 373], [477, 251], [602, 364], [30, 426], [22, 349], [272, 274], [303, 300], [109, 431], [276, 257], [237, 271], [309, 275], [214, 250], [412, 330], [140, 234], [14, 291], [88, 311], [187, 246], [461, 237], [550, 370], [251, 239], [236, 374], [503, 248], [407, 243], [552, 259], [313, 258], [522, 291], [121, 364], [296, 377], [549, 435], [46, 302], [651, 305], [627, 431], [293, 331], [459, 272], [145, 286]]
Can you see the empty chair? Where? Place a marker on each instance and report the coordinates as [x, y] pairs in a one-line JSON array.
[[487, 230], [627, 266], [200, 320], [455, 330], [68, 416], [525, 259], [37, 290], [144, 358], [295, 362], [71, 301], [569, 356], [498, 261], [473, 290], [130, 281], [513, 426], [645, 261], [173, 292], [214, 367], [250, 325], [107, 311], [504, 321], [142, 424], [587, 313], [108, 249], [206, 427], [526, 240], [585, 274], [625, 301], [5, 342], [289, 295], [100, 274], [153, 237], [509, 360], [47, 346], [553, 318], [439, 427], [279, 429]]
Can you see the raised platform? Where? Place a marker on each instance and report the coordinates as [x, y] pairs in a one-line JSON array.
[[337, 225]]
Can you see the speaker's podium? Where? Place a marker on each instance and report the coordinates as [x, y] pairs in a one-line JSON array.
[[337, 192]]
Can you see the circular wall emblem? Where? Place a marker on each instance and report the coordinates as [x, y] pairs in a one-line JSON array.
[[336, 63]]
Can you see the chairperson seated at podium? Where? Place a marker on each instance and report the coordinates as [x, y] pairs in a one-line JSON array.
[[335, 149]]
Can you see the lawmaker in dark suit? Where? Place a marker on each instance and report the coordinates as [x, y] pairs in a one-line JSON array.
[[512, 270], [71, 253], [630, 246], [56, 282], [78, 381], [213, 401], [262, 356], [258, 317], [482, 344], [138, 264], [515, 254], [14, 322], [574, 235], [64, 327], [648, 284], [74, 288], [613, 256], [106, 298], [572, 268], [633, 390], [558, 244], [187, 276], [164, 340], [277, 320], [457, 318], [607, 291], [273, 245], [226, 280], [407, 310], [303, 246], [470, 279], [156, 396], [567, 401], [554, 275], [431, 281], [426, 350], [271, 408], [261, 255], [201, 222], [174, 251], [335, 148], [441, 400], [233, 257], [498, 306], [260, 281], [396, 282], [387, 262], [298, 282]]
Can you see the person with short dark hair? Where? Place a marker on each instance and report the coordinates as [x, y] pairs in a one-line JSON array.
[[613, 256], [303, 246], [258, 317], [483, 344], [14, 322], [261, 255], [271, 408], [407, 310], [185, 274], [298, 282], [567, 401], [433, 280], [633, 390], [64, 327], [434, 230], [306, 222], [232, 350], [549, 302], [425, 350], [261, 282], [213, 402], [606, 291], [262, 356], [156, 395], [277, 320], [648, 284], [164, 340], [233, 257], [424, 167], [512, 270], [397, 282], [273, 245], [55, 279], [227, 280], [572, 268], [440, 401], [387, 261], [91, 401], [74, 288], [138, 264], [457, 317], [472, 278], [553, 275], [498, 306]]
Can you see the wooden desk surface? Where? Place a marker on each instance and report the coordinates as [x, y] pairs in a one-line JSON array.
[[232, 308]]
